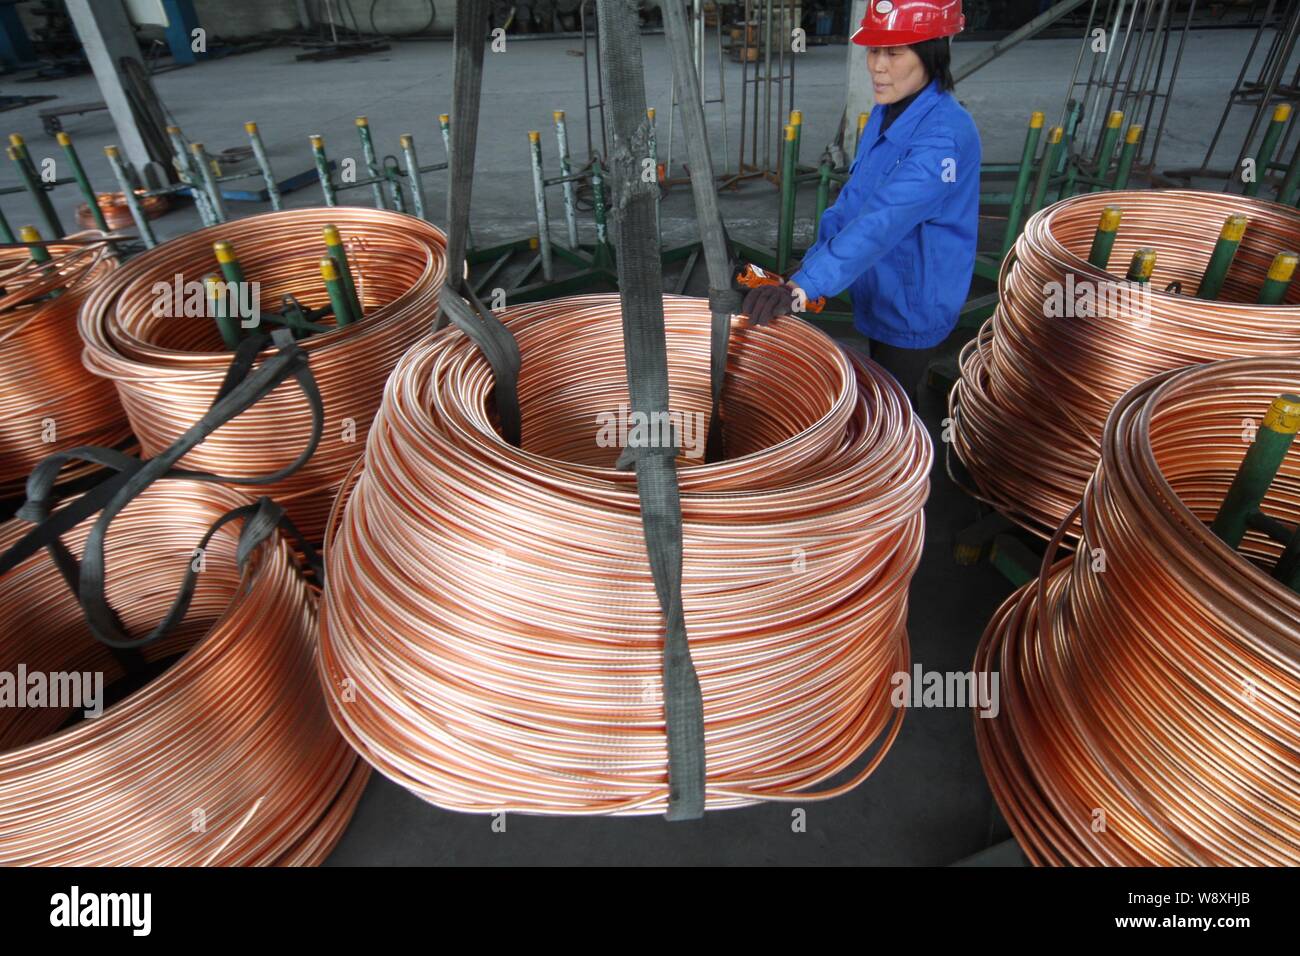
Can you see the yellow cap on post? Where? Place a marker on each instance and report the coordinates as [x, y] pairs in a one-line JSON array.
[[1134, 134], [362, 121], [862, 122], [29, 234], [250, 128], [444, 118], [63, 138], [650, 114], [173, 130], [1116, 119], [110, 152], [1282, 113], [534, 136], [1110, 219], [406, 141], [317, 142], [796, 117], [332, 237], [1283, 267], [557, 115], [1234, 228], [15, 140], [1056, 135], [1284, 415], [328, 270], [789, 133], [224, 251], [196, 148], [1144, 264], [1036, 120]]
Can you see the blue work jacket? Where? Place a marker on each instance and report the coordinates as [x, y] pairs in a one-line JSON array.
[[903, 230]]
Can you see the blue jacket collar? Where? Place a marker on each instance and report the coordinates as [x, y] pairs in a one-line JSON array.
[[906, 124]]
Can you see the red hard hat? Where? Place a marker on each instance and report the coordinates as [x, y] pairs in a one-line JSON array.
[[904, 22]]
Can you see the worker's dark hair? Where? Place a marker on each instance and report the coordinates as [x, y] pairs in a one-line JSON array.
[[936, 57]]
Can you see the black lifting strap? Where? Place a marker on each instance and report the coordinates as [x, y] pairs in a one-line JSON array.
[[724, 301], [241, 388], [640, 281], [457, 299]]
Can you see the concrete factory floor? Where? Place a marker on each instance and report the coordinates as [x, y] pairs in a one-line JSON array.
[[928, 802]]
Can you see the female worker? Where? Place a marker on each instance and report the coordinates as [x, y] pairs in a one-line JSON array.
[[902, 232]]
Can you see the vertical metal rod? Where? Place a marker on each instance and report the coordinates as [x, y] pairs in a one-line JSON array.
[[1225, 250], [539, 199], [785, 229], [338, 295], [32, 180], [1108, 140], [6, 233], [128, 193], [372, 162], [323, 170], [83, 182], [1132, 142], [566, 170], [1281, 115], [1143, 266], [204, 162], [1045, 169], [1027, 156], [226, 324], [187, 174], [1280, 274], [264, 164], [335, 249], [767, 88], [1258, 469], [413, 172], [1103, 243], [823, 196], [1290, 189]]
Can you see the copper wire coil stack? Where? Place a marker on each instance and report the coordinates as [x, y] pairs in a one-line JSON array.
[[168, 369], [1035, 390], [491, 637], [48, 400], [1150, 684], [117, 215], [227, 758]]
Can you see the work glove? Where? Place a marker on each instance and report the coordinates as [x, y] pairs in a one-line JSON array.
[[765, 303]]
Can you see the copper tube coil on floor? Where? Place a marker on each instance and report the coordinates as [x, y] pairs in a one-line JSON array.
[[167, 370], [117, 215], [48, 400], [226, 758], [1150, 684], [1035, 390], [491, 638]]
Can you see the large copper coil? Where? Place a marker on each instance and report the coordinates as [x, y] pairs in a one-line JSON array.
[[1150, 684], [491, 637], [168, 368], [1035, 390], [228, 757], [48, 401]]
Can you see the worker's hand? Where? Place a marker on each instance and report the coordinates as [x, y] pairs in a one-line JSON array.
[[765, 303]]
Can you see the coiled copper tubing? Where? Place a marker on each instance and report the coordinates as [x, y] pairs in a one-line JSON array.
[[227, 758], [491, 638], [167, 368], [1035, 390], [1150, 684]]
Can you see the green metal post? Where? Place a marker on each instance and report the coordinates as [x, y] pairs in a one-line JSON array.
[[823, 196], [1022, 181], [128, 194], [264, 164], [226, 324], [1104, 242], [1290, 191], [213, 188], [6, 233], [413, 171], [372, 161], [1225, 250], [785, 235], [1053, 151], [1258, 469], [32, 236], [83, 182], [32, 180], [338, 252], [539, 204], [185, 169], [338, 295], [1281, 115], [1106, 155], [1143, 266], [323, 170], [233, 273], [602, 257], [1280, 274], [1126, 157]]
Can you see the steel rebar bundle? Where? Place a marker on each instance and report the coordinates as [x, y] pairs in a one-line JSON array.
[[1036, 388], [1150, 702], [491, 637]]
